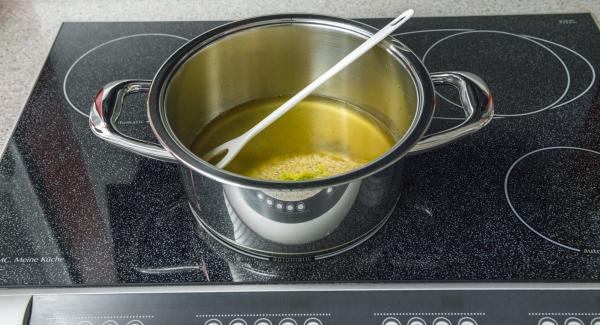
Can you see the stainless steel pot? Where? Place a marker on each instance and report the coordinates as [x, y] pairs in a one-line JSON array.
[[278, 55]]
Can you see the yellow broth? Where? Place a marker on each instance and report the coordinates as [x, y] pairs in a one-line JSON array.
[[320, 137]]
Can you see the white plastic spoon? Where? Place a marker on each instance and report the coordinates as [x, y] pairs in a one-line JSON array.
[[234, 146]]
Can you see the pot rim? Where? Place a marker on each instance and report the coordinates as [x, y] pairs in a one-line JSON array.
[[156, 109]]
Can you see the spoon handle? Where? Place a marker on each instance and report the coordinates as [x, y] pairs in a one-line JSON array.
[[348, 59]]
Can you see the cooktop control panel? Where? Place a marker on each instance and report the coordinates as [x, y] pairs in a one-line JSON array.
[[383, 307]]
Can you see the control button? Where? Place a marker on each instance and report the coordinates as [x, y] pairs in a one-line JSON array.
[[547, 321], [416, 321], [213, 321], [313, 321], [139, 322], [329, 190], [300, 206], [279, 206], [238, 321], [288, 321], [595, 321], [260, 196], [136, 322], [442, 321], [110, 322], [263, 321], [467, 321], [390, 321], [573, 321], [269, 202], [290, 207]]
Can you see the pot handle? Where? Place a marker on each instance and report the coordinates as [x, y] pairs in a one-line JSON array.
[[105, 113], [476, 100]]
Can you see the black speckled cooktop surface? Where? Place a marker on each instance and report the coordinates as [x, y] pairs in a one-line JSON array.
[[517, 201]]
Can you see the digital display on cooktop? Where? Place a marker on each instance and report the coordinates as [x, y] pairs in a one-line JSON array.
[[517, 201]]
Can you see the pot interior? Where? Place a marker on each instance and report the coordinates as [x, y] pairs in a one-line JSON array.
[[277, 60]]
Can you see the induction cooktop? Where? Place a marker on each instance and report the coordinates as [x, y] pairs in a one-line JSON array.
[[512, 206]]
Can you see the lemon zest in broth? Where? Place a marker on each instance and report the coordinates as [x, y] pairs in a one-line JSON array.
[[304, 167]]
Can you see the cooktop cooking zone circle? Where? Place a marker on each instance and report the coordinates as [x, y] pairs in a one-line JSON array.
[[579, 72], [565, 210], [120, 58], [523, 61]]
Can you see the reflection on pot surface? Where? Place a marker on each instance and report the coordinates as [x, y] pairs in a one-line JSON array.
[[291, 222], [295, 223]]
